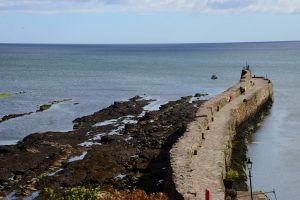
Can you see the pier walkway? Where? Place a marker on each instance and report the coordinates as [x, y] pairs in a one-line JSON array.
[[205, 166], [208, 163]]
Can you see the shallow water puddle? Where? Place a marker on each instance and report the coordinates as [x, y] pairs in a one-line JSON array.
[[76, 158]]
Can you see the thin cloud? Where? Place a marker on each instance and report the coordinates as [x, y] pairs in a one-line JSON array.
[[201, 6], [233, 4]]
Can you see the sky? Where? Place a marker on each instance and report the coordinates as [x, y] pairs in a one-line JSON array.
[[148, 21]]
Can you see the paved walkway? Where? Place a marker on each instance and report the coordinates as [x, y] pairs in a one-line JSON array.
[[207, 167]]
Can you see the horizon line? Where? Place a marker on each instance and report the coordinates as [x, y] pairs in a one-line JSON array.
[[155, 43]]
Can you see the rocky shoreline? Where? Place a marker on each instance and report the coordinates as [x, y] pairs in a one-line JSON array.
[[120, 147]]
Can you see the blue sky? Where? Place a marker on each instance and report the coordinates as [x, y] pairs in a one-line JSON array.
[[148, 21]]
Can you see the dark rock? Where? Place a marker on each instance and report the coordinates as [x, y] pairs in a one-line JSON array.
[[48, 106], [12, 116], [200, 94], [44, 107], [5, 149], [106, 139], [137, 156], [135, 98]]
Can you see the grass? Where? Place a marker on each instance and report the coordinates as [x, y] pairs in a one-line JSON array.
[[135, 194], [4, 95], [82, 193], [232, 174]]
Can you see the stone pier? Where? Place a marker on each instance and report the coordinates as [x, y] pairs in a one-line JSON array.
[[201, 157]]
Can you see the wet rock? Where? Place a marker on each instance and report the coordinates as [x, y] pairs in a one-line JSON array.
[[41, 109], [106, 139], [48, 106], [200, 94], [6, 149], [110, 153], [12, 116]]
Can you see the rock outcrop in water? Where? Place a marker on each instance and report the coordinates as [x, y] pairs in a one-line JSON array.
[[41, 108], [12, 116]]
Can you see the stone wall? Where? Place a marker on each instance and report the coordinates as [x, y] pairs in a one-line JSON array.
[[253, 103], [183, 152]]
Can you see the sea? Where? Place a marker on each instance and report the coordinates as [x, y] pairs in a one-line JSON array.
[[94, 76]]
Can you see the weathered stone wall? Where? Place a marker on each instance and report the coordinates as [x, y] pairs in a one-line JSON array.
[[246, 110], [253, 103], [184, 151]]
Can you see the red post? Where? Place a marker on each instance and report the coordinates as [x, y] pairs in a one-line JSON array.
[[207, 194]]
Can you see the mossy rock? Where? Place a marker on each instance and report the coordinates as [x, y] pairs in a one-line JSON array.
[[47, 106], [186, 98], [200, 94], [44, 107], [232, 174], [60, 101]]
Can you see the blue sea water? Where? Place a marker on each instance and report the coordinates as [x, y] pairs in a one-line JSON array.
[[97, 75]]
